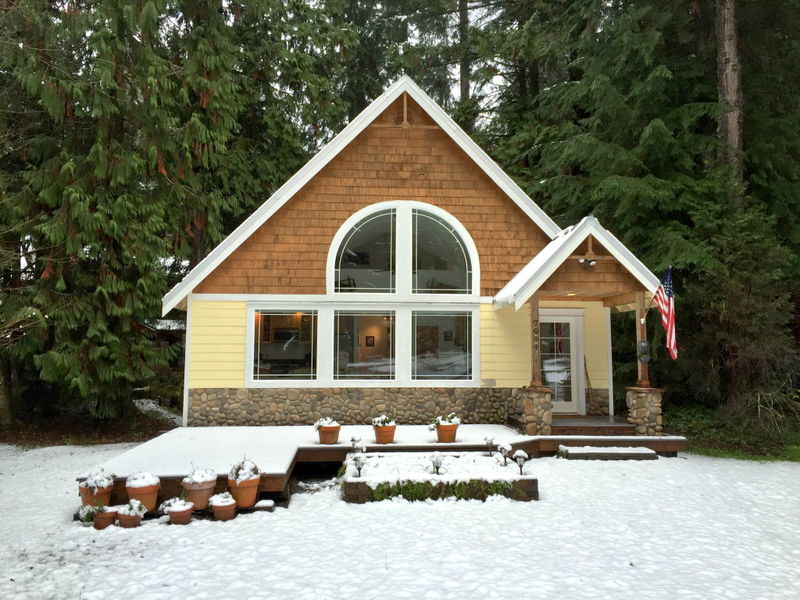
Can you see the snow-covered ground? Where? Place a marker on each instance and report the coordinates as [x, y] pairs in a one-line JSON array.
[[688, 527]]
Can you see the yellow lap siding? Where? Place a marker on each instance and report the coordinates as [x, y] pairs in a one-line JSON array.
[[217, 344], [506, 346]]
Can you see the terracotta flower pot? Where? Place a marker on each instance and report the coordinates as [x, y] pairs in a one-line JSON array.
[[104, 519], [244, 492], [181, 517], [224, 513], [101, 498], [384, 434], [199, 493], [329, 434], [129, 521], [446, 433], [146, 495]]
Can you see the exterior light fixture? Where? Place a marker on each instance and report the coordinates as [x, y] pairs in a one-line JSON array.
[[592, 263], [581, 260]]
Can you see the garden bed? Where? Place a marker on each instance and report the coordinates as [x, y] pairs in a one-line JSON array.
[[413, 476]]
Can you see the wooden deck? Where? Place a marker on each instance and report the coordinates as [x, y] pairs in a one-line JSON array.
[[279, 449], [590, 425]]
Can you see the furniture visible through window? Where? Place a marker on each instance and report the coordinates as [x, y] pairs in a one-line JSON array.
[[285, 345]]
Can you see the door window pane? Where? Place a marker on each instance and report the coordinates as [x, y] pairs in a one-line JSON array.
[[365, 260], [441, 263], [557, 360], [442, 345], [285, 345], [364, 347]]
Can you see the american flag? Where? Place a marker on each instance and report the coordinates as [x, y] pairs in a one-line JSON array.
[[665, 298]]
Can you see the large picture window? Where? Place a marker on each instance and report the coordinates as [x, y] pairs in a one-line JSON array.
[[364, 345], [285, 345], [442, 345]]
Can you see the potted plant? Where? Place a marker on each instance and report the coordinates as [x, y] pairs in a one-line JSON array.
[[328, 430], [199, 486], [130, 514], [445, 427], [384, 429], [243, 481], [143, 486], [223, 505], [104, 516], [86, 514], [96, 488], [178, 509]]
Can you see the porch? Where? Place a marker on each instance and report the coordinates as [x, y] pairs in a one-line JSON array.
[[278, 450]]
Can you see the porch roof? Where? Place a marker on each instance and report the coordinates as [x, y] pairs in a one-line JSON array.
[[533, 275]]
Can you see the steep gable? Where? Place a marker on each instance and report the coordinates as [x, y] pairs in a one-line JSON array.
[[403, 146]]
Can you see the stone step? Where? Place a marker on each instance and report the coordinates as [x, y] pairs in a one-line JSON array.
[[606, 453]]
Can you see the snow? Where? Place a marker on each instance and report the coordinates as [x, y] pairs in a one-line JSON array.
[[197, 475], [148, 406], [579, 450], [418, 466], [141, 479], [271, 448], [98, 478], [175, 505], [223, 499], [676, 528]]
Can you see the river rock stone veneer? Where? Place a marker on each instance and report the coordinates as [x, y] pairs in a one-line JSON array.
[[303, 406], [535, 406], [644, 410]]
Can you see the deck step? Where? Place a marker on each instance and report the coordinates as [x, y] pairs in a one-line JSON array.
[[609, 429], [606, 453]]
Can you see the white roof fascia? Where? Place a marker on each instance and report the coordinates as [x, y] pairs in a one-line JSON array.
[[284, 193], [533, 275]]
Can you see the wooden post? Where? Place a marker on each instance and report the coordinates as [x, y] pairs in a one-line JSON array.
[[641, 334], [536, 343]]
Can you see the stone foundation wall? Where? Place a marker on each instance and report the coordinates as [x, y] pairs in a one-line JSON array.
[[535, 406], [644, 410], [303, 406], [597, 402]]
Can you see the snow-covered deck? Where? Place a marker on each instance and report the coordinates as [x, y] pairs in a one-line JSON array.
[[277, 449]]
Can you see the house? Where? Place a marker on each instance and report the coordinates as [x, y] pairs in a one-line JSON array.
[[401, 271]]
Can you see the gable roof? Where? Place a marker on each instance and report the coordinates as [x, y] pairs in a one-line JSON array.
[[533, 275], [295, 183]]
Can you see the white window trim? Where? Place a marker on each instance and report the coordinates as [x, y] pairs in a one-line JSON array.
[[325, 343], [404, 247]]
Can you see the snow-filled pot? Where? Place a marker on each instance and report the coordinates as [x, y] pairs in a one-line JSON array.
[[143, 487], [179, 510], [328, 430], [130, 514], [199, 487], [104, 517], [243, 481], [223, 505], [95, 490], [384, 428]]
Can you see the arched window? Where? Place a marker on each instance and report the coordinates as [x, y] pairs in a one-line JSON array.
[[365, 260], [440, 261], [404, 248]]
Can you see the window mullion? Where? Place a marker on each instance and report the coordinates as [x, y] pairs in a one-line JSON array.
[[403, 341], [325, 350], [404, 250]]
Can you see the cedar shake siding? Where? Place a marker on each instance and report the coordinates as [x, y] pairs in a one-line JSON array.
[[288, 253]]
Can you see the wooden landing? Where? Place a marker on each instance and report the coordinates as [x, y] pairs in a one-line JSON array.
[[574, 425]]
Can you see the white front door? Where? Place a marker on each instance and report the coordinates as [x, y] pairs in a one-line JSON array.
[[562, 361]]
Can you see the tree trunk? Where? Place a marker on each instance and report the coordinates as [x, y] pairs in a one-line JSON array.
[[5, 394], [463, 40], [729, 85]]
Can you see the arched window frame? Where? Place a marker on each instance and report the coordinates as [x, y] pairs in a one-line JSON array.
[[404, 246]]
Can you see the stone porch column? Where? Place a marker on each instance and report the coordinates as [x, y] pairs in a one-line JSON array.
[[644, 409], [536, 407]]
